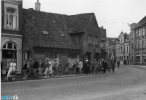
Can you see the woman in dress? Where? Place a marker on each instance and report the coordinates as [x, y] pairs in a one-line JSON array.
[[47, 69], [11, 69]]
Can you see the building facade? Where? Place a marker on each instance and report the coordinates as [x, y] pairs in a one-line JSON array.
[[11, 26], [122, 47], [111, 48], [61, 37], [140, 42], [103, 43], [132, 43]]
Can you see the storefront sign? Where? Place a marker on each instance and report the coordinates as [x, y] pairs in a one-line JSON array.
[[39, 56]]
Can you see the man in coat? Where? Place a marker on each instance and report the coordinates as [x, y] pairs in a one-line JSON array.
[[35, 67], [104, 64], [118, 63]]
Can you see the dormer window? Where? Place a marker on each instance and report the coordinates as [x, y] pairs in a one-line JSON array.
[[11, 16]]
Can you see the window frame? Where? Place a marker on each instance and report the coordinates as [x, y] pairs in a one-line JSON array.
[[13, 6]]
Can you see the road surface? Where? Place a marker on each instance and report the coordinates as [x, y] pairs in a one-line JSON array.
[[127, 83]]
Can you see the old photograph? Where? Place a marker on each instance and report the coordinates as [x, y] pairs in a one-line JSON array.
[[73, 49]]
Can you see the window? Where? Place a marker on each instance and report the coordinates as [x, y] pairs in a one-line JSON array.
[[90, 39], [143, 31], [73, 55], [10, 45], [52, 55], [132, 46], [139, 45], [143, 44], [11, 16], [96, 40], [139, 33]]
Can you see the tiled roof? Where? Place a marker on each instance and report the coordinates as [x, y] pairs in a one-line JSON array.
[[57, 26], [78, 23], [141, 23], [112, 41]]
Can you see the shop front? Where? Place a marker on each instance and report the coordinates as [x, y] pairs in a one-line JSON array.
[[137, 58], [144, 58], [11, 51]]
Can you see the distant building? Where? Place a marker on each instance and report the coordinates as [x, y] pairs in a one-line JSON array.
[[140, 42], [132, 43], [111, 44], [122, 47], [11, 36], [103, 43]]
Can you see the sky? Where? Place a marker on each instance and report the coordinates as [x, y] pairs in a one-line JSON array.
[[113, 15]]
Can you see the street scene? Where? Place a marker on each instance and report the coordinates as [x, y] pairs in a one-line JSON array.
[[73, 50], [127, 83]]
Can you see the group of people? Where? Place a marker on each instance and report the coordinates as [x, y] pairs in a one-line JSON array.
[[49, 67], [35, 68], [100, 66]]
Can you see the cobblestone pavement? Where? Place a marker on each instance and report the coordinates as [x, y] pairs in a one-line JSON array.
[[127, 83]]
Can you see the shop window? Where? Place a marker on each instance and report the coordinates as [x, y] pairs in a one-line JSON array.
[[27, 55], [52, 55], [10, 45], [11, 16], [73, 55], [4, 46]]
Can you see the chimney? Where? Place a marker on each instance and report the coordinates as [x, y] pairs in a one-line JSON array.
[[37, 5]]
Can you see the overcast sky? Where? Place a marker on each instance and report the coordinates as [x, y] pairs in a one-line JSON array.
[[111, 14]]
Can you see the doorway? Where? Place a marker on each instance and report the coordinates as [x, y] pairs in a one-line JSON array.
[[9, 52]]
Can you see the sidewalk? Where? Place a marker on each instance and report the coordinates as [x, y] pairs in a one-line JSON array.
[[20, 77], [138, 66]]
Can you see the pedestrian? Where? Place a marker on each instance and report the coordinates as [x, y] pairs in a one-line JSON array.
[[47, 65], [75, 67], [35, 68], [108, 65], [80, 66], [7, 67], [60, 68], [118, 63], [1, 69], [104, 64], [51, 68], [12, 70], [24, 70], [113, 66], [66, 68], [30, 68], [91, 66], [41, 67], [86, 66]]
